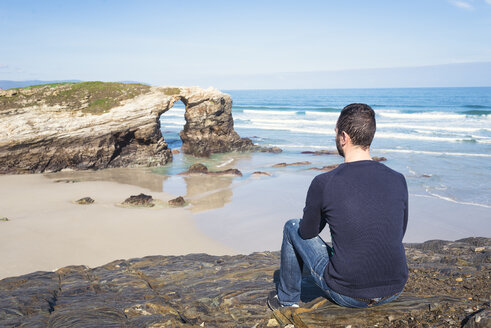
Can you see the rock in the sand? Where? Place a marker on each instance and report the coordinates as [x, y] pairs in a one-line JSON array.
[[324, 168], [85, 201], [179, 201], [379, 159], [231, 291], [94, 125], [66, 181], [199, 168], [322, 152], [139, 200], [229, 172], [261, 173], [291, 164], [4, 219]]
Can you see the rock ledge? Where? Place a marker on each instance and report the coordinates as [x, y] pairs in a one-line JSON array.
[[447, 287]]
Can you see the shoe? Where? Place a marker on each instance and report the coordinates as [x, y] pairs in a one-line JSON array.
[[274, 303]]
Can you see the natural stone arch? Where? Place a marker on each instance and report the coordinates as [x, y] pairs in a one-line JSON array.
[[209, 126], [39, 136]]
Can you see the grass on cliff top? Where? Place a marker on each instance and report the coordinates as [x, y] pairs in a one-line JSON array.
[[50, 85], [172, 91], [88, 97]]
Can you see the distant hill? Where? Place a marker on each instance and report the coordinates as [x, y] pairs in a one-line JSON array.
[[133, 82], [7, 84]]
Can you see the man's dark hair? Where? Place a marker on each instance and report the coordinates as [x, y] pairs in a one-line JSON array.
[[358, 121]]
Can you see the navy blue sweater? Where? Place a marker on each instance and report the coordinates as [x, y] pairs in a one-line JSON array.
[[365, 204]]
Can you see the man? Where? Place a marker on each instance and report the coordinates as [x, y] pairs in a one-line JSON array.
[[365, 204]]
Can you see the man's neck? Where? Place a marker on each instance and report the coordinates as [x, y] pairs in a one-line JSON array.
[[357, 154]]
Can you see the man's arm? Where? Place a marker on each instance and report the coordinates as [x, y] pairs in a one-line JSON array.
[[406, 210], [312, 222]]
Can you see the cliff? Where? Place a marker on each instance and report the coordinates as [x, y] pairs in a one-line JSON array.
[[448, 287], [93, 125]]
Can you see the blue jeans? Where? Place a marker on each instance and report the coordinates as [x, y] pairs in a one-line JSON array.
[[314, 253]]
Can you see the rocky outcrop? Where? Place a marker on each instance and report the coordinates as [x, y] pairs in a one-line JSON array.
[[139, 200], [85, 201], [178, 202], [448, 286], [201, 169], [321, 152], [326, 168], [209, 124], [292, 164], [261, 173], [275, 150], [96, 125]]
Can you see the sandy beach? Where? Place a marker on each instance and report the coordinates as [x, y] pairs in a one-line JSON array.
[[48, 230]]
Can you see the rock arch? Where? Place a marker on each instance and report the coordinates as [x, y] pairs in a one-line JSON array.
[[209, 126], [50, 137]]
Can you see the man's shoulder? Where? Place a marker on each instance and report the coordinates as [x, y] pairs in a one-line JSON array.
[[328, 175], [389, 170], [372, 167]]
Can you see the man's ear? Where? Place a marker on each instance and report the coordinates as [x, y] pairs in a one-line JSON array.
[[344, 137]]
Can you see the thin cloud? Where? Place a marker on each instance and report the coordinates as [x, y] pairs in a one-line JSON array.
[[463, 4], [488, 2], [9, 69]]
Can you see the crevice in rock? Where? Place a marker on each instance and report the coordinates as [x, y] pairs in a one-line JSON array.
[[52, 302], [142, 277], [183, 318], [121, 140], [46, 166], [54, 299]]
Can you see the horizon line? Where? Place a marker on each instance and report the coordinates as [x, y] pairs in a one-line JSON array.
[[240, 89]]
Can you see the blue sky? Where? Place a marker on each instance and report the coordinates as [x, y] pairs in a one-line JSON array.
[[220, 42]]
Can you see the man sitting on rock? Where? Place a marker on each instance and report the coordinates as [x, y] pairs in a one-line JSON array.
[[365, 204]]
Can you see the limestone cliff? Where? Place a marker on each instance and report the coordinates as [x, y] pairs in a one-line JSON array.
[[95, 125]]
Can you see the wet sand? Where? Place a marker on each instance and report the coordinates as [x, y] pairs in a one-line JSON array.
[[47, 230], [254, 218]]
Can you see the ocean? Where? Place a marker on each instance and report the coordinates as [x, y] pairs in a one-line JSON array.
[[439, 138]]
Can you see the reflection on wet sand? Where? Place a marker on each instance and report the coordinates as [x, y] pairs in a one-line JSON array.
[[203, 192], [208, 192], [141, 177]]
